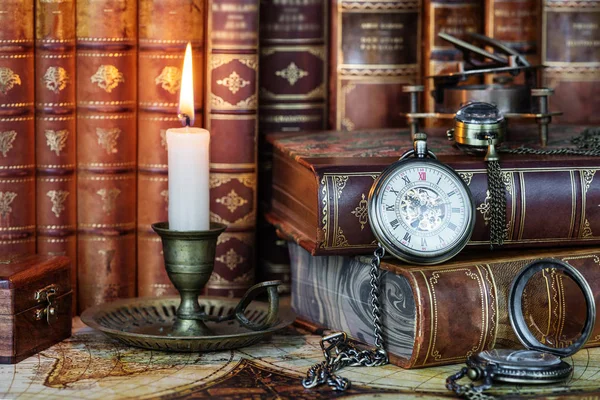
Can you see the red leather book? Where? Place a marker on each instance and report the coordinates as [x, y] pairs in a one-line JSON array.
[[231, 118], [161, 48], [571, 53], [455, 17], [321, 185], [106, 149], [292, 94], [442, 314], [56, 131], [374, 52], [17, 130]]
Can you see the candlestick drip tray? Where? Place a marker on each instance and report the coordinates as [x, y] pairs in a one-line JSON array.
[[149, 323]]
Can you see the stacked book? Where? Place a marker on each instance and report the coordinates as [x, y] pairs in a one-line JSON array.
[[438, 314]]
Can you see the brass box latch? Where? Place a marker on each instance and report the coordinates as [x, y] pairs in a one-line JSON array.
[[50, 312]]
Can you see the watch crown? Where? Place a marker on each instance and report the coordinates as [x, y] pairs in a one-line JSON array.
[[420, 144], [420, 136]]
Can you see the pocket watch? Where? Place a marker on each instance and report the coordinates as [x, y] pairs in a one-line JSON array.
[[420, 210], [537, 363]]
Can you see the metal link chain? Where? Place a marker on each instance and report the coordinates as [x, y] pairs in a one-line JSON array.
[[339, 352], [588, 144], [497, 190], [469, 391]]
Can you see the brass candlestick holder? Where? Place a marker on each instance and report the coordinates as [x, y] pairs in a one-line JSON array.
[[191, 323], [189, 260]]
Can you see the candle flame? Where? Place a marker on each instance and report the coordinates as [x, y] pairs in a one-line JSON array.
[[186, 94]]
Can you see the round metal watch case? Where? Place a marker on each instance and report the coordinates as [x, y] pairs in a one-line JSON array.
[[390, 243]]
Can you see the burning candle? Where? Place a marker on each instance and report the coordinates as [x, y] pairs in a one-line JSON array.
[[188, 162]]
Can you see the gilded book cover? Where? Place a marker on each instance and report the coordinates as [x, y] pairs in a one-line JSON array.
[[55, 140], [436, 315], [17, 128], [106, 149], [374, 52], [161, 48], [231, 118], [321, 186]]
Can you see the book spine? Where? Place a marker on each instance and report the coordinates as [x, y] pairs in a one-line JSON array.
[[17, 128], [106, 57], [455, 17], [231, 118], [571, 53], [374, 52], [515, 23], [417, 302], [55, 130], [161, 49], [292, 94]]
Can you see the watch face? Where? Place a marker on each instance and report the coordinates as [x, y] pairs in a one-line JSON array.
[[421, 211], [523, 358]]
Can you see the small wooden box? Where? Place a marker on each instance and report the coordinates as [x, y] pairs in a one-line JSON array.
[[35, 305]]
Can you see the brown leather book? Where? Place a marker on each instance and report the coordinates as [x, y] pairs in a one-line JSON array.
[[442, 314], [516, 24], [293, 87], [55, 131], [455, 17], [106, 149], [162, 44], [321, 185], [571, 53], [231, 118], [17, 128], [374, 52]]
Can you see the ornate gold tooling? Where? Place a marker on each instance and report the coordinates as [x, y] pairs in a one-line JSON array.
[[232, 201], [292, 73], [57, 197], [107, 77], [56, 79], [361, 213], [169, 79], [8, 79], [6, 198], [107, 138], [231, 259], [109, 199], [56, 140], [233, 82], [6, 141]]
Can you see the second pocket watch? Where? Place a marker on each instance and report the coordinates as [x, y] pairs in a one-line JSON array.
[[420, 210]]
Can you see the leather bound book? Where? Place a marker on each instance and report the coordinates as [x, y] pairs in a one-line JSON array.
[[56, 131], [17, 128], [161, 49], [571, 53], [441, 314], [516, 24], [106, 149], [321, 186], [293, 91], [231, 118], [374, 52], [457, 18]]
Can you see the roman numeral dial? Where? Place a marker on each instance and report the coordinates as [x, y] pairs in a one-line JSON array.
[[422, 210]]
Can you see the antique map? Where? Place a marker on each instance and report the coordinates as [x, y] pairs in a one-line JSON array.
[[91, 366]]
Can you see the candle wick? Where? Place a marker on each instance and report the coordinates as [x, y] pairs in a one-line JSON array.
[[185, 119]]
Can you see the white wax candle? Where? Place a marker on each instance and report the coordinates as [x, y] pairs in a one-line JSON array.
[[188, 179]]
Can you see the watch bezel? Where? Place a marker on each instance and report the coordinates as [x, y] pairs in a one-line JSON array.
[[374, 204], [510, 373]]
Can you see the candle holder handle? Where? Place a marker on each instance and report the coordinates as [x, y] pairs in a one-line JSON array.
[[189, 261]]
